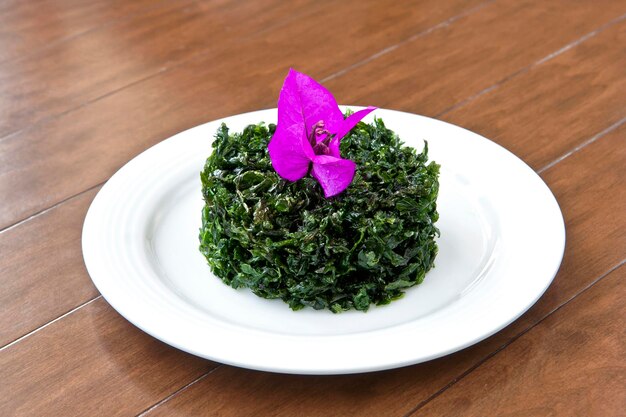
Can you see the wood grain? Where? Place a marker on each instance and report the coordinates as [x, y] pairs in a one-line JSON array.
[[572, 364], [538, 114], [107, 133], [72, 73], [556, 106], [588, 188], [27, 27], [93, 362], [42, 273], [433, 73]]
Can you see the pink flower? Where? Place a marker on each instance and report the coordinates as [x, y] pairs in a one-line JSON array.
[[310, 127]]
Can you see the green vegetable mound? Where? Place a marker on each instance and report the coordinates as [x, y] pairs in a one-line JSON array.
[[285, 240]]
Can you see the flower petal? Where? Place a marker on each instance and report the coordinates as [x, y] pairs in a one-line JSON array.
[[290, 156], [333, 174], [314, 102], [352, 120], [290, 150], [346, 127]]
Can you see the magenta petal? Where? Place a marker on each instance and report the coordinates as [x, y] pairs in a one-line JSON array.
[[352, 120], [290, 150], [289, 155], [333, 174], [346, 127], [301, 93]]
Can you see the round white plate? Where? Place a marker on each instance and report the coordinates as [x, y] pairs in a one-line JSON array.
[[502, 241]]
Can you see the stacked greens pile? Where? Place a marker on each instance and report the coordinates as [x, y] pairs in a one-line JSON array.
[[285, 240]]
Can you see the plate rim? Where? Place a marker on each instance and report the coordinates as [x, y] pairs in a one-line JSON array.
[[132, 315]]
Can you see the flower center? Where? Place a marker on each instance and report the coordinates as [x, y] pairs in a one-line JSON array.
[[321, 147]]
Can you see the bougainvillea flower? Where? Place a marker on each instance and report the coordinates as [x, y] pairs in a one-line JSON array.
[[308, 134]]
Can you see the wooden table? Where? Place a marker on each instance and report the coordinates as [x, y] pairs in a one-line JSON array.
[[87, 85]]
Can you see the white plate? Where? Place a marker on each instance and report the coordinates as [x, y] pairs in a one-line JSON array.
[[502, 241]]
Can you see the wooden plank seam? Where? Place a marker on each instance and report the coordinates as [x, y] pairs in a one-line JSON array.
[[410, 39], [63, 40], [528, 68]]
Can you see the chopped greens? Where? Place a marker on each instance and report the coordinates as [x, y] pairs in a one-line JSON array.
[[285, 240]]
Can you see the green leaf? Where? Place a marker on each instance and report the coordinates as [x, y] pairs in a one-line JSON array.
[[367, 260]]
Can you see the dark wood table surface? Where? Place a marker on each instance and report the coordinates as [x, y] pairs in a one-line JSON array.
[[87, 85]]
